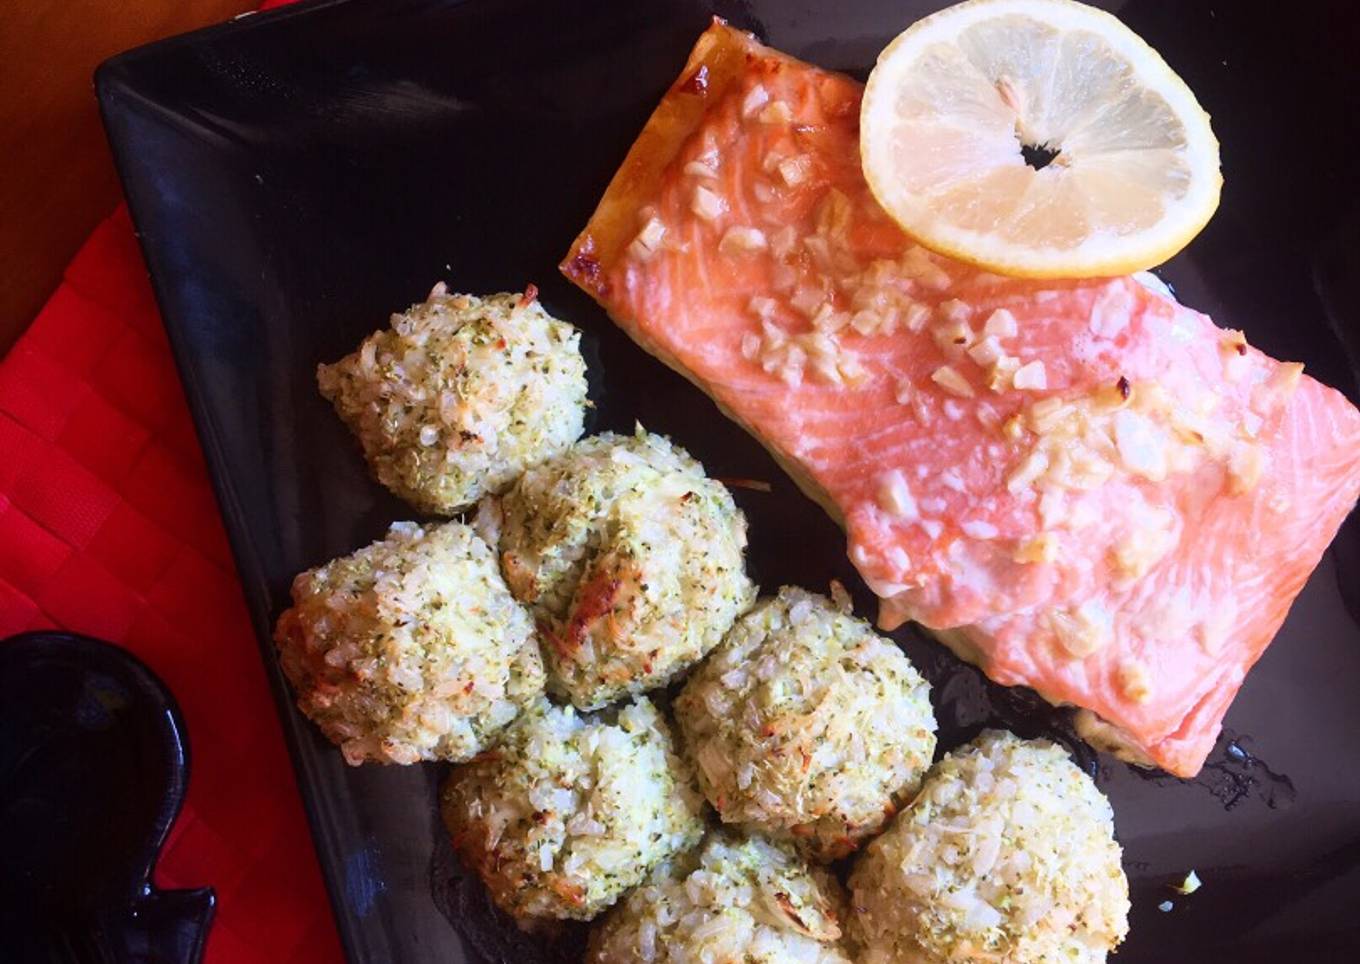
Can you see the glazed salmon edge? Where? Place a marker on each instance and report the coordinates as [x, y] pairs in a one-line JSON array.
[[715, 65]]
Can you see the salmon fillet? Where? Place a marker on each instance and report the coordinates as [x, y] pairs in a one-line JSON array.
[[1083, 487]]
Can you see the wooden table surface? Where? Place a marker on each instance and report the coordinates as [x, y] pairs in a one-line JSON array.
[[58, 179]]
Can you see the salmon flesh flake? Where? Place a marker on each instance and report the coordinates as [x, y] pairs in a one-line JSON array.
[[1082, 487]]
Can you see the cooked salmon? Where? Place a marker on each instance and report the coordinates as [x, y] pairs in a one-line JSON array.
[[1083, 487]]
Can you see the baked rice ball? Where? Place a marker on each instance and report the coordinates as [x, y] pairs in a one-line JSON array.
[[570, 811], [631, 559], [411, 648], [806, 724], [1008, 853], [460, 395], [736, 899]]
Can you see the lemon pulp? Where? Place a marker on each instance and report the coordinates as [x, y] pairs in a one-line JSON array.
[[1039, 138]]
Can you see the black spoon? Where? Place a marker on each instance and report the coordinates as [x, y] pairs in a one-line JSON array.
[[94, 762]]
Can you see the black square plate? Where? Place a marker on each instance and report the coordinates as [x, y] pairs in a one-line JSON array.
[[295, 176]]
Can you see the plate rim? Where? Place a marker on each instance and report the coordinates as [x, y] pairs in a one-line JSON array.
[[118, 97]]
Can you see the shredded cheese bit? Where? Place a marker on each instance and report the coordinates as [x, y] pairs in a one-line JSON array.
[[762, 307], [951, 381], [977, 529], [954, 337], [1045, 415], [1134, 681], [827, 318], [1142, 445], [706, 204], [1030, 468], [1084, 629], [851, 369], [783, 242], [1052, 507], [1000, 324], [742, 240], [1233, 350], [756, 98], [987, 352], [826, 367], [1031, 377], [917, 316], [1111, 311], [808, 299], [1245, 464], [648, 240], [1286, 378], [868, 323], [953, 481], [700, 169], [776, 112], [1001, 374], [820, 249], [1235, 367], [1144, 547], [750, 346], [833, 214], [795, 170], [791, 372], [783, 277], [956, 312], [894, 496]]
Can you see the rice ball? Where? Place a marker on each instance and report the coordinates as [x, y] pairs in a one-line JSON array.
[[737, 898], [570, 811], [1007, 853], [631, 559], [805, 723], [460, 395], [411, 648]]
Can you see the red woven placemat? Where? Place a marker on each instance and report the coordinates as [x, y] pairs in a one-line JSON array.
[[108, 527]]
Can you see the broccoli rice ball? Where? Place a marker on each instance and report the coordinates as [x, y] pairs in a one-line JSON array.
[[1008, 853], [631, 558], [460, 395], [736, 899], [570, 811], [805, 723], [411, 648]]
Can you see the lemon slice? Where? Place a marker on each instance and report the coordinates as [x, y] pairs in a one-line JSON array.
[[1039, 138]]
